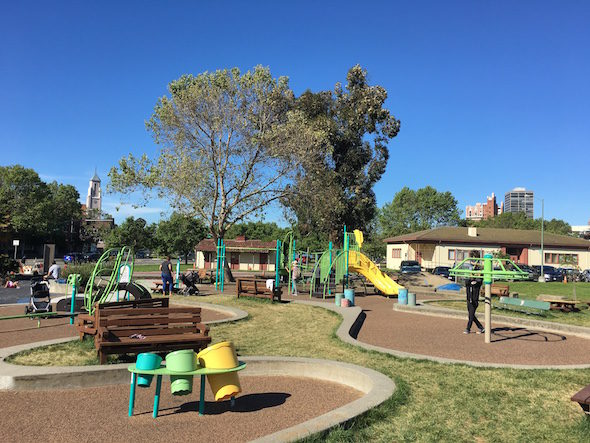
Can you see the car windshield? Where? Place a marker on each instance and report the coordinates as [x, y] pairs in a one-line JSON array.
[[410, 263]]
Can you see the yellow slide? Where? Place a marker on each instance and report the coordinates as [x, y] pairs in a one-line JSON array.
[[361, 264]]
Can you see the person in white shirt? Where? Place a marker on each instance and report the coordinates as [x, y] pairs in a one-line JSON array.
[[54, 271]]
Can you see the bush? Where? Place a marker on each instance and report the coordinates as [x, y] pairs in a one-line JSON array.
[[7, 265], [85, 271]]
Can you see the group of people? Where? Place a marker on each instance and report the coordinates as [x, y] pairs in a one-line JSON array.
[[53, 273]]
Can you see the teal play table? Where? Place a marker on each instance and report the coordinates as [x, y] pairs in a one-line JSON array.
[[162, 370]]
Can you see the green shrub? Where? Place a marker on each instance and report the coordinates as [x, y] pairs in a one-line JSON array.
[[84, 269], [7, 265]]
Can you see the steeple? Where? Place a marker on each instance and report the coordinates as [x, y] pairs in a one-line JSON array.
[[94, 199], [95, 178]]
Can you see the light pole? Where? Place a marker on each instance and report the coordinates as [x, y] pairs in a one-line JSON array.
[[542, 276]]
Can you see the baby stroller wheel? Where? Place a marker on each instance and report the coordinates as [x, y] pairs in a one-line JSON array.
[[26, 310]]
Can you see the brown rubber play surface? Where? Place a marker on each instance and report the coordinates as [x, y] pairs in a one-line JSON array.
[[267, 405], [24, 330], [443, 337]]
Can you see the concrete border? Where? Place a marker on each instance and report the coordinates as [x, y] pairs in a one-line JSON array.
[[353, 318]]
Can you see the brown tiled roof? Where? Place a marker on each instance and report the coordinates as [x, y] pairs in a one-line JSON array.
[[492, 237], [208, 245]]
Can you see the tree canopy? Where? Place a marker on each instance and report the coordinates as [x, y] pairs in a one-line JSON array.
[[519, 220], [229, 144], [179, 235], [34, 210], [335, 187], [133, 232], [412, 211]]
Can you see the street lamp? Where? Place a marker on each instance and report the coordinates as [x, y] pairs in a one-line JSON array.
[[542, 276]]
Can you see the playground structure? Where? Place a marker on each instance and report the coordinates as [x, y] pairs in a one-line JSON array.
[[472, 268], [111, 279], [324, 270], [335, 265]]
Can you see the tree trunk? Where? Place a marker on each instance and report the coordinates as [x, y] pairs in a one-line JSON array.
[[229, 277]]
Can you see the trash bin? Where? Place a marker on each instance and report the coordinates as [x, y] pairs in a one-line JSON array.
[[402, 296], [411, 299], [221, 356], [339, 296], [349, 295]]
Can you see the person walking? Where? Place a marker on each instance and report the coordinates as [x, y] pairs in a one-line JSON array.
[[167, 282], [472, 288], [295, 273]]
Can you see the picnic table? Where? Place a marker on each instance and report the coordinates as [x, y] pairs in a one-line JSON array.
[[164, 371], [560, 304]]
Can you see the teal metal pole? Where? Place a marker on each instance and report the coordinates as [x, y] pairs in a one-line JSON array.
[[74, 292], [487, 279], [217, 265], [177, 283], [346, 258], [277, 264], [292, 260], [222, 264]]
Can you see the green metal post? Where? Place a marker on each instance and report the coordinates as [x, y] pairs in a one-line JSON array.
[[328, 276], [177, 283], [73, 279], [222, 264], [487, 280]]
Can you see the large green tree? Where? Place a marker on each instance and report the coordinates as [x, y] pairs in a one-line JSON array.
[[229, 145], [335, 187], [411, 211], [133, 232], [179, 235], [257, 230], [33, 210]]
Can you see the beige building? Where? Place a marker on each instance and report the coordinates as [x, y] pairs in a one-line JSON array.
[[448, 246], [240, 254]]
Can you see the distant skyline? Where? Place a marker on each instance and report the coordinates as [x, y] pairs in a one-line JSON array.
[[491, 95]]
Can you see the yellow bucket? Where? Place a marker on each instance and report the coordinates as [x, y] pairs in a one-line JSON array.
[[221, 356]]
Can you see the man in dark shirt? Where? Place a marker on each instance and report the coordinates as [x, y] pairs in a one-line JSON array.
[[167, 282]]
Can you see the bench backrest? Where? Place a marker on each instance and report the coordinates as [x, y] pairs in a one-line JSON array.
[[151, 321], [143, 303], [535, 304]]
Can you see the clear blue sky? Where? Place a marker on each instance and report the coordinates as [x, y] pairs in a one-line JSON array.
[[491, 95]]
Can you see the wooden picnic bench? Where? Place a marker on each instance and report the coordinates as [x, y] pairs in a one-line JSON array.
[[137, 330], [500, 289], [256, 287], [522, 305], [157, 286], [561, 304], [583, 399], [206, 276], [87, 324]]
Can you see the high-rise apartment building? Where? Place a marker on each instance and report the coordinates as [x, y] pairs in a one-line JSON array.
[[520, 200], [482, 211]]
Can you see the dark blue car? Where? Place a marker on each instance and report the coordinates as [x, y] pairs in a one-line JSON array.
[[410, 267]]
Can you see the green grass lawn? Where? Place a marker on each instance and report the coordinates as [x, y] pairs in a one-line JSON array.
[[529, 289], [156, 267], [434, 402]]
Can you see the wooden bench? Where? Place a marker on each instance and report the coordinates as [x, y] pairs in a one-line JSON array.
[[158, 286], [583, 399], [139, 330], [206, 276], [526, 306], [256, 287], [87, 324], [500, 289]]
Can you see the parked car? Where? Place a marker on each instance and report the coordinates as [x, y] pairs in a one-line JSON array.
[[410, 267], [73, 257], [443, 271], [550, 272], [91, 256], [533, 274], [585, 275]]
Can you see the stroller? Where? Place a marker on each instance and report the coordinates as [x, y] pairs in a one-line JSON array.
[[40, 299], [190, 280]]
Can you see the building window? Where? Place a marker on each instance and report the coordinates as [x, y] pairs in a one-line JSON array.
[[451, 254], [396, 253], [556, 259]]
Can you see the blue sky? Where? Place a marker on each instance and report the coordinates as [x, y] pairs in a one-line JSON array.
[[491, 95]]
